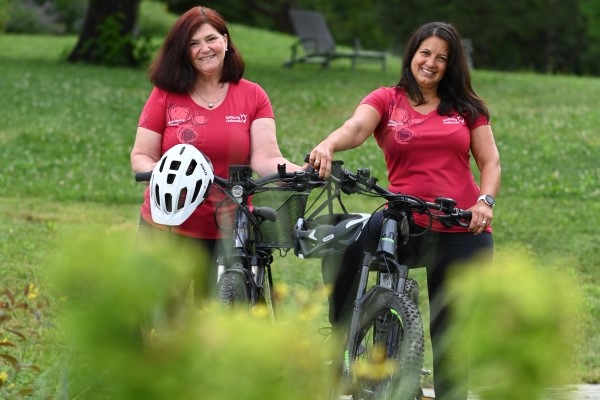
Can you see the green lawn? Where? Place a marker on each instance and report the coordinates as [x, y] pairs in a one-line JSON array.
[[68, 130]]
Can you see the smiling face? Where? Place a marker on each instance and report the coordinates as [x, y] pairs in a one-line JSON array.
[[429, 62], [207, 50]]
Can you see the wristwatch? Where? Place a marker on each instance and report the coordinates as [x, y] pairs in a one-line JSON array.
[[489, 200]]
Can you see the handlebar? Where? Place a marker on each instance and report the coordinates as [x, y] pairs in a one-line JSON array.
[[241, 175], [442, 209]]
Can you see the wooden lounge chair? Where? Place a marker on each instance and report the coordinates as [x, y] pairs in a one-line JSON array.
[[318, 44]]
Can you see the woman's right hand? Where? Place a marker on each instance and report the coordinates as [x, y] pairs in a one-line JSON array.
[[321, 158]]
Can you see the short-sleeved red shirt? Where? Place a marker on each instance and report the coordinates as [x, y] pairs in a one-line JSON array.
[[222, 134], [427, 156]]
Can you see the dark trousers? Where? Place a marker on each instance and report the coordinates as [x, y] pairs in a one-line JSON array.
[[204, 274], [439, 253]]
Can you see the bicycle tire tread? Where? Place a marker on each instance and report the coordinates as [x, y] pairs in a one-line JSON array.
[[409, 353], [232, 292]]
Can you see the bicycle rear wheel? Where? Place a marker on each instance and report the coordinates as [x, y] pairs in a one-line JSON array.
[[389, 350], [232, 290]]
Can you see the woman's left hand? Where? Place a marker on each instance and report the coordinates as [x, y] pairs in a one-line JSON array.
[[481, 218]]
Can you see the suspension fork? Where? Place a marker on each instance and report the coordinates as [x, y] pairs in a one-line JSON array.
[[392, 233], [240, 239], [350, 352]]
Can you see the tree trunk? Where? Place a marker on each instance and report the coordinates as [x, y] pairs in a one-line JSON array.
[[107, 34]]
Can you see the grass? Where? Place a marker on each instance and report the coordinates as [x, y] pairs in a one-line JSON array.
[[68, 130]]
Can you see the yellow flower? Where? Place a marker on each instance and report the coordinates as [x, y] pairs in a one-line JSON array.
[[32, 291], [3, 376]]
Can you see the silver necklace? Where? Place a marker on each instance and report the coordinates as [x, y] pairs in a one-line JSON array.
[[210, 104]]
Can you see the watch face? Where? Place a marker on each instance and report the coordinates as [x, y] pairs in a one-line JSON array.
[[489, 200]]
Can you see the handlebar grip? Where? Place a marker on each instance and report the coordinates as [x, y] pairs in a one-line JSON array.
[[467, 215], [143, 176]]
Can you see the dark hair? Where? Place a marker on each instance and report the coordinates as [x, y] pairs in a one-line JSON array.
[[172, 69], [455, 90]]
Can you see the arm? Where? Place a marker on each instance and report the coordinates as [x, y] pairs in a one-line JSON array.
[[146, 150], [265, 154], [351, 134], [487, 158]]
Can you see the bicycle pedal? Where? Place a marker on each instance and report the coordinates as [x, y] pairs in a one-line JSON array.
[[425, 372]]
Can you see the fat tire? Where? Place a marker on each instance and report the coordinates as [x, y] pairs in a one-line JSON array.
[[411, 289], [391, 322], [232, 291]]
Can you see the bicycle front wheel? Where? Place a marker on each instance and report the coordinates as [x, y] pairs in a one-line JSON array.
[[389, 349], [232, 290]]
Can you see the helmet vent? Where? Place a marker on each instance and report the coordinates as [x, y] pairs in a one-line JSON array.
[[169, 202], [191, 168], [157, 195], [171, 178], [182, 195], [196, 190], [175, 165]]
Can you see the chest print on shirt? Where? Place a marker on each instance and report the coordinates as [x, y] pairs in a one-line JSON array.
[[188, 133], [186, 123], [401, 123], [177, 115]]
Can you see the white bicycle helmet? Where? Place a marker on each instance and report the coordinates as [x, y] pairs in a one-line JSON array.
[[327, 234], [180, 182]]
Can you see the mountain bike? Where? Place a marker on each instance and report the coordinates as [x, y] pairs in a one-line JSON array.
[[265, 211], [383, 351]]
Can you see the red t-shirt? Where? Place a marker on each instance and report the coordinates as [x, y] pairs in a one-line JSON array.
[[222, 134], [427, 156]]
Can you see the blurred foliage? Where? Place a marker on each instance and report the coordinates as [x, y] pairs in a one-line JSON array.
[[4, 13], [111, 47], [23, 322], [554, 36], [28, 16], [154, 20], [523, 325], [107, 289], [550, 36]]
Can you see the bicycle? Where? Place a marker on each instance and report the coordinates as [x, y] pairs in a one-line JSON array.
[[244, 277], [384, 347]]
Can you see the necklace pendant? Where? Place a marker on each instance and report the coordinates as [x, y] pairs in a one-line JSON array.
[[211, 105]]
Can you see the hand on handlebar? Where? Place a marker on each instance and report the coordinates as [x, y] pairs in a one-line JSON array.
[[321, 158], [481, 218]]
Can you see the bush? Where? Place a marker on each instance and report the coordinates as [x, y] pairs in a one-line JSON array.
[[29, 17], [4, 13], [67, 16], [71, 14]]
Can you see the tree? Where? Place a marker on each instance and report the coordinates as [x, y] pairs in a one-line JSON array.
[[107, 36]]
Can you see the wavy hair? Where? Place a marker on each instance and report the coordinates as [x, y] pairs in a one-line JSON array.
[[172, 69], [455, 90]]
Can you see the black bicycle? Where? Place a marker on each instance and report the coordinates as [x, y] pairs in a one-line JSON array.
[[383, 354], [265, 212]]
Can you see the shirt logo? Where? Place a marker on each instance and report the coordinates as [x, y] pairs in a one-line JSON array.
[[236, 119], [453, 120]]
